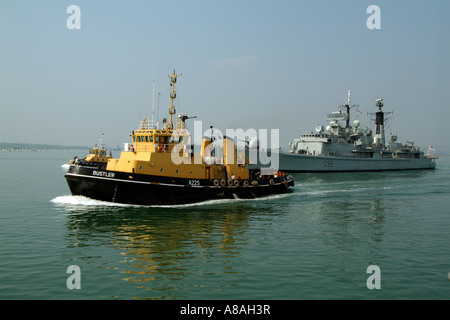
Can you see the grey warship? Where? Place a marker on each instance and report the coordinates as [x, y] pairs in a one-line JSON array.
[[344, 148]]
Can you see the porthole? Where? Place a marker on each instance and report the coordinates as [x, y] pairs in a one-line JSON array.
[[162, 170]]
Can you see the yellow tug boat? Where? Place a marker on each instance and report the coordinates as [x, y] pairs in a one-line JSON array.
[[159, 168]]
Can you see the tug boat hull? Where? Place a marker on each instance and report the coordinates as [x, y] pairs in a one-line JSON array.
[[122, 187]]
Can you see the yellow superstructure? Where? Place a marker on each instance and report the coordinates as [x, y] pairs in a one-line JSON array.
[[98, 153]]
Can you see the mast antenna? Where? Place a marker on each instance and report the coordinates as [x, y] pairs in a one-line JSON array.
[[157, 112], [153, 96], [173, 95], [347, 114]]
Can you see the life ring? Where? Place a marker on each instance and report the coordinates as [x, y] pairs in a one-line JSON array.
[[216, 183], [236, 182], [223, 183], [245, 183], [130, 147], [271, 182]]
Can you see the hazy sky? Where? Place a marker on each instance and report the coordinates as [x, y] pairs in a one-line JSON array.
[[245, 64]]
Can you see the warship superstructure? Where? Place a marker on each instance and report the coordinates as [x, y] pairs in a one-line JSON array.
[[341, 147], [159, 167]]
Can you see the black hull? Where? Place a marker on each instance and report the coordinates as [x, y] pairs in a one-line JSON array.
[[137, 189]]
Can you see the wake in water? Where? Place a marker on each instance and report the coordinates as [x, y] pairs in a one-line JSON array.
[[310, 191], [84, 201]]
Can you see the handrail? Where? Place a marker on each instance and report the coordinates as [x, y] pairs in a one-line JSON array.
[[154, 147]]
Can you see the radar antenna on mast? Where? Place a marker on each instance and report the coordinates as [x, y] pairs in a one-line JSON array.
[[347, 108]]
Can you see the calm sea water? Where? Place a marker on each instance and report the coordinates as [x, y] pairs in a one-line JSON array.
[[313, 243]]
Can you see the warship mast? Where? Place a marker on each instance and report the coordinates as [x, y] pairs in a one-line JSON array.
[[347, 116], [379, 121], [347, 107]]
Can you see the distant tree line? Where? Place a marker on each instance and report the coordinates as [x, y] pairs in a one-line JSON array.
[[28, 146]]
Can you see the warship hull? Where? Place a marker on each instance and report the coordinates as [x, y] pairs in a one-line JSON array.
[[306, 163], [293, 163], [121, 187]]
